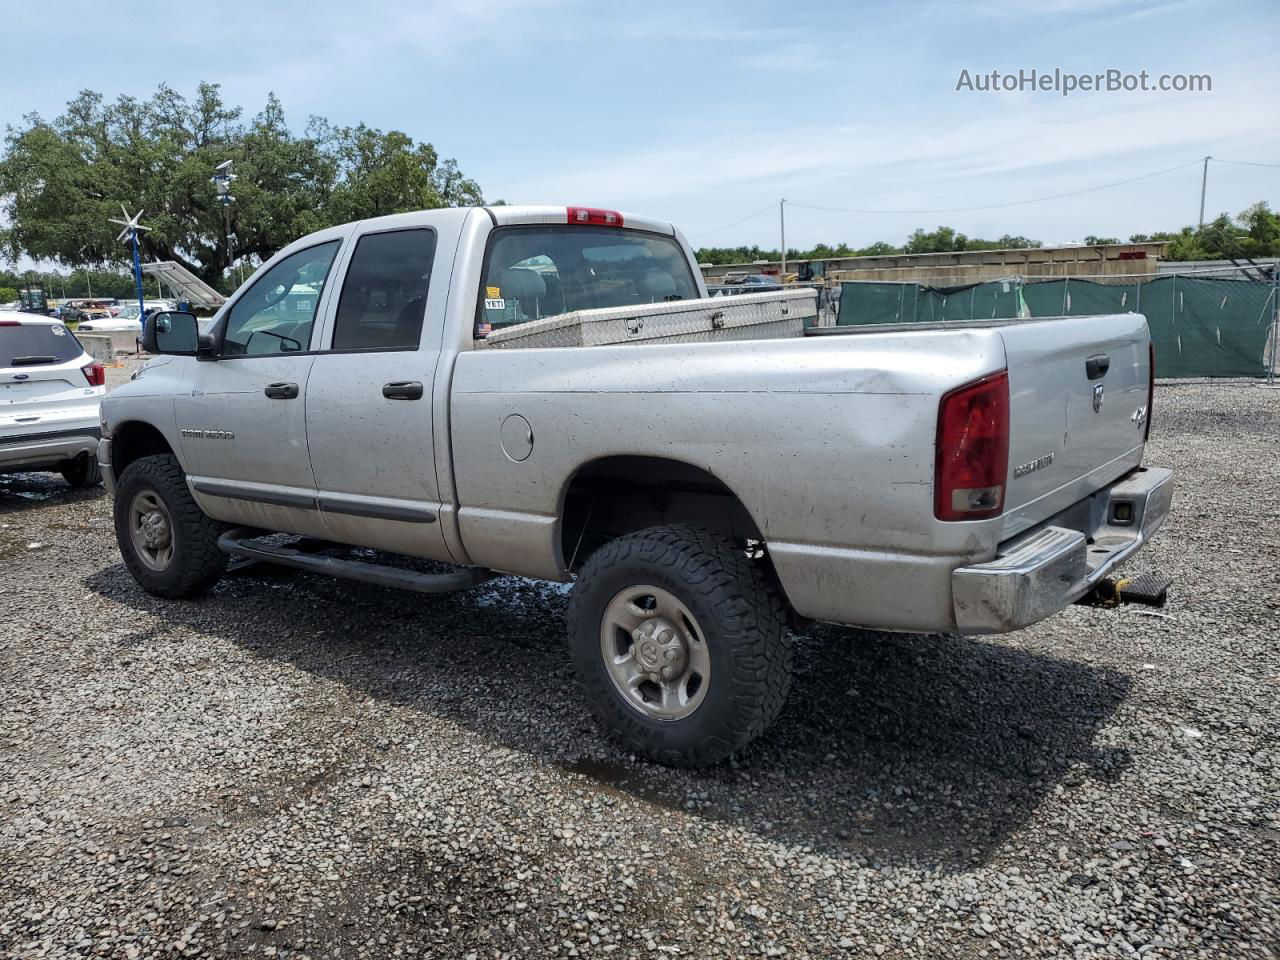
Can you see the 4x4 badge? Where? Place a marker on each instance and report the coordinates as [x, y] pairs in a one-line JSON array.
[[1097, 397]]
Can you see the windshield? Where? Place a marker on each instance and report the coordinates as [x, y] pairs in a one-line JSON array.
[[33, 344], [543, 271]]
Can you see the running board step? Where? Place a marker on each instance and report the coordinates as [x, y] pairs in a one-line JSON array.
[[239, 544]]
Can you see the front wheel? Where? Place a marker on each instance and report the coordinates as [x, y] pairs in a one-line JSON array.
[[167, 542], [680, 644]]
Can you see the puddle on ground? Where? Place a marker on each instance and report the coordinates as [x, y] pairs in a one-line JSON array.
[[31, 487]]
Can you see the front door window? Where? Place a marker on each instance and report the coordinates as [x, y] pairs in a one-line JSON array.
[[276, 314]]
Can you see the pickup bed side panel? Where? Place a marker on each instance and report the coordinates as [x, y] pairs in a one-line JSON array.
[[828, 443]]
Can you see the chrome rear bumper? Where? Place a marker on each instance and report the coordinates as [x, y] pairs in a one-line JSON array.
[[1038, 573]]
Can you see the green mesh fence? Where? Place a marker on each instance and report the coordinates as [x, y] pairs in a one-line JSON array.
[[1201, 326]]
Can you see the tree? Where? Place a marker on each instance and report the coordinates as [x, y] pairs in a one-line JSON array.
[[942, 240], [62, 179], [8, 294], [878, 249], [1092, 241]]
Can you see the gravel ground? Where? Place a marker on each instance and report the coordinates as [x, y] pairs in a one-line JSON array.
[[296, 766]]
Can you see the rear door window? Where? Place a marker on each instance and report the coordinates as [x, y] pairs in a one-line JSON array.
[[35, 344], [543, 271], [384, 295]]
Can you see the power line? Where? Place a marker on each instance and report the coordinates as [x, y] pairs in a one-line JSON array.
[[1011, 203], [989, 206], [734, 224], [1248, 163]]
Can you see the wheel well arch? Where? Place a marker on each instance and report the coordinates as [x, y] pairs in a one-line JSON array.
[[616, 495], [133, 440]]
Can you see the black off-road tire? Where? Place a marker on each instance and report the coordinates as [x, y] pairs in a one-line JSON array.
[[744, 624], [197, 563], [81, 472]]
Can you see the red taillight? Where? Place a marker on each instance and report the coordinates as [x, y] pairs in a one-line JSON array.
[[1151, 387], [10, 323], [973, 450], [95, 373], [594, 215]]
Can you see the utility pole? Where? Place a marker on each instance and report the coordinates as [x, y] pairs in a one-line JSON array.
[[782, 223], [1204, 182]]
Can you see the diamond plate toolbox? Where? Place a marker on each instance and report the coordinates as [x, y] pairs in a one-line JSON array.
[[751, 316]]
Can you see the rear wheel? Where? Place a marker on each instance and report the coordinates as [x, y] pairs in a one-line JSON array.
[[167, 542], [680, 644], [81, 472]]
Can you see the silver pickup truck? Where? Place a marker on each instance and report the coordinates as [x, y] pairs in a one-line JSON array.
[[700, 496]]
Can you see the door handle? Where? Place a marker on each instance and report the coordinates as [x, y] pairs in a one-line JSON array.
[[282, 391], [403, 390], [1097, 367]]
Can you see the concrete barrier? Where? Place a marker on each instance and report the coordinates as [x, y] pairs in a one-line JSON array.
[[98, 346], [122, 341]]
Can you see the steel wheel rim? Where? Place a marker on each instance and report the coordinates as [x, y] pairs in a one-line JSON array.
[[655, 653], [151, 530]]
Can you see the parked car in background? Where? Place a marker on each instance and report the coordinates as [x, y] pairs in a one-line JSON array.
[[756, 280], [78, 311], [50, 392], [128, 318]]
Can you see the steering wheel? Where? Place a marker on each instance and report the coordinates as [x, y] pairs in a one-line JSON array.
[[270, 299]]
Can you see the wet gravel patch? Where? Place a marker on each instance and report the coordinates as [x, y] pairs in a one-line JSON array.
[[293, 766]]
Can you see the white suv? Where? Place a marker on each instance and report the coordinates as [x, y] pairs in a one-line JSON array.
[[50, 392]]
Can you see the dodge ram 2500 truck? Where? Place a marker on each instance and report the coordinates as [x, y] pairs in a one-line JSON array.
[[700, 496]]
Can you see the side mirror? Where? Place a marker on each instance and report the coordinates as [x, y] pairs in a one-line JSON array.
[[177, 334]]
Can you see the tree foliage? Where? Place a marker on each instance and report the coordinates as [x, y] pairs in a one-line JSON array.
[[1253, 234], [62, 179]]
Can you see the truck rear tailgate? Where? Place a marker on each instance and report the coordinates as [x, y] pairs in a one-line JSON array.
[[1078, 399]]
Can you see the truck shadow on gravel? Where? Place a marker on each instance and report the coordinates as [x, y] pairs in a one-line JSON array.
[[892, 749]]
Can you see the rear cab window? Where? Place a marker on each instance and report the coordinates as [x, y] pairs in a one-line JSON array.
[[543, 270], [35, 344]]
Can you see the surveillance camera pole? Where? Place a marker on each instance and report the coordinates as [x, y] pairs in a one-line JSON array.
[[222, 179]]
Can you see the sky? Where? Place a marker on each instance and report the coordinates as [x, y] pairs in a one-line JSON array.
[[708, 113]]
